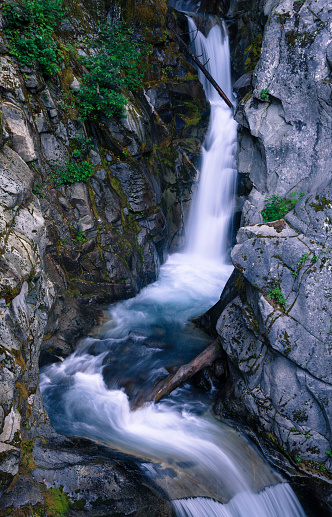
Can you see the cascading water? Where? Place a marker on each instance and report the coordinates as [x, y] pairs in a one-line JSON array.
[[213, 206], [214, 470]]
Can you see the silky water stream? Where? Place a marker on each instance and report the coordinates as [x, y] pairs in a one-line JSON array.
[[206, 467]]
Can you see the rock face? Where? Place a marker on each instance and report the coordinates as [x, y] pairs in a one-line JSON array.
[[78, 478], [26, 297], [106, 238], [276, 331]]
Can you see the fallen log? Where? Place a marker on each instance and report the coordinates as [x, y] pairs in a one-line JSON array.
[[185, 372], [200, 66]]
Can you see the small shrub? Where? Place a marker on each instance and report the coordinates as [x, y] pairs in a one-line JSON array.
[[276, 295], [72, 172], [80, 237], [329, 453], [31, 24], [37, 190], [82, 146], [117, 62], [265, 94], [303, 259], [277, 207]]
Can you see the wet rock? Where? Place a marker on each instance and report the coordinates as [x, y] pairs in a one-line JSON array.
[[19, 133], [79, 198], [137, 184], [75, 85], [91, 479], [9, 78], [53, 149], [29, 296], [42, 124], [279, 135], [274, 331], [25, 492]]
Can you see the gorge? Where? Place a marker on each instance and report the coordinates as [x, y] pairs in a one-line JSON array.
[[70, 251]]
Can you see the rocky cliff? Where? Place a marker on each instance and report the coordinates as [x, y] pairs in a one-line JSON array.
[[65, 249], [275, 315]]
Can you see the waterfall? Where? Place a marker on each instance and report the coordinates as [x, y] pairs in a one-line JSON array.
[[207, 467], [213, 205]]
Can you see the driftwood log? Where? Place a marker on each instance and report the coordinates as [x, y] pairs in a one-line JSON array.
[[200, 66], [185, 372]]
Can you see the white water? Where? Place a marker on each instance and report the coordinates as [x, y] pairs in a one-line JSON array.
[[213, 206], [205, 466]]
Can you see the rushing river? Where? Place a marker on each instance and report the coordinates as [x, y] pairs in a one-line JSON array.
[[206, 467]]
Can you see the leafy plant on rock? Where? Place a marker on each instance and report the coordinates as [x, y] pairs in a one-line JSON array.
[[277, 207], [80, 237], [116, 62], [276, 295], [265, 94], [73, 171], [31, 24]]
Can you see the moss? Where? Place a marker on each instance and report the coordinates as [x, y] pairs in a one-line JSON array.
[[144, 12], [282, 17], [23, 391], [57, 502], [19, 359], [247, 97], [321, 204], [27, 463], [77, 505]]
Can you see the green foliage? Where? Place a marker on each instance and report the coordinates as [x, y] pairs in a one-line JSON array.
[[278, 297], [303, 259], [57, 502], [298, 458], [36, 189], [253, 52], [277, 207], [80, 237], [116, 62], [329, 453], [31, 24], [73, 171], [82, 146], [264, 94]]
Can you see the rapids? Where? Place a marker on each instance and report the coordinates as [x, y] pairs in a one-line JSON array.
[[207, 467]]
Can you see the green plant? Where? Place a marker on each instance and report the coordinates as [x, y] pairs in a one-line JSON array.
[[36, 189], [265, 94], [253, 52], [304, 257], [298, 458], [73, 171], [276, 295], [117, 62], [82, 146], [80, 237], [31, 24], [329, 453], [277, 207]]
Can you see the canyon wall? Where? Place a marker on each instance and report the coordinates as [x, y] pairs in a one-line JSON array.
[[275, 314], [66, 249]]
